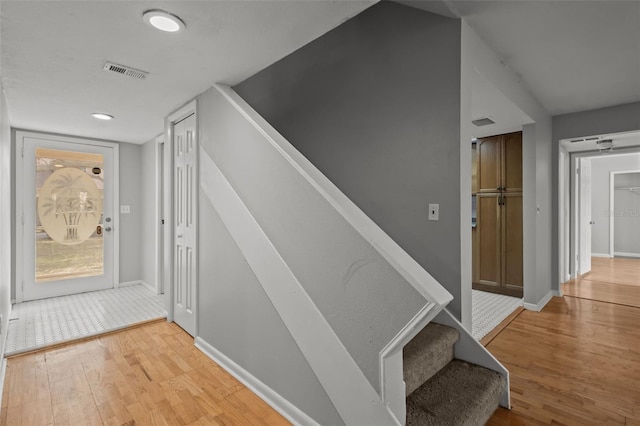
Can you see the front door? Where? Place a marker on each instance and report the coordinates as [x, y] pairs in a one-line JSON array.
[[68, 227]]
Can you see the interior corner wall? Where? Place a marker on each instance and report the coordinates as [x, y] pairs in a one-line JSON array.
[[536, 166], [375, 105], [148, 212], [615, 119], [6, 211], [130, 224]]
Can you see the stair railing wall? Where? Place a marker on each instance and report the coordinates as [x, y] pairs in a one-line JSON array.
[[336, 279]]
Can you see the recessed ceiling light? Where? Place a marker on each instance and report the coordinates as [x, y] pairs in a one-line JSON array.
[[164, 21], [101, 116]]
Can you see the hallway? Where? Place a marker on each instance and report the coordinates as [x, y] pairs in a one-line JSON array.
[[615, 280], [575, 362]]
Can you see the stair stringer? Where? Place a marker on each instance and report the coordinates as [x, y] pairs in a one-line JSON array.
[[468, 349], [392, 390]]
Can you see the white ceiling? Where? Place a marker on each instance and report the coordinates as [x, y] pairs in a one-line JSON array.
[[52, 55], [572, 55]]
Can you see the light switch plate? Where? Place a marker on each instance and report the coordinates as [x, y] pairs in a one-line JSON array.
[[434, 211], [125, 209]]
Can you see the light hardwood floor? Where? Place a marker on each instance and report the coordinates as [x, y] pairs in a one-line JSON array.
[[610, 280], [147, 375], [578, 361]]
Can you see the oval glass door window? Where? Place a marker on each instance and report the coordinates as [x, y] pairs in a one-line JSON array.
[[69, 206]]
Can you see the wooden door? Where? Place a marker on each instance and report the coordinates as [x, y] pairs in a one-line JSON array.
[[511, 230], [489, 171], [487, 241], [511, 171]]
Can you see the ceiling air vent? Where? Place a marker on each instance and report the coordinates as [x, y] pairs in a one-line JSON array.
[[584, 140], [125, 70], [484, 121]]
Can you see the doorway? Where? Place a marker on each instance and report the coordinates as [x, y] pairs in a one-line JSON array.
[[180, 213], [67, 241]]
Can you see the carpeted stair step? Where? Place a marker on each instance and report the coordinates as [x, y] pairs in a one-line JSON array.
[[427, 354], [461, 394]]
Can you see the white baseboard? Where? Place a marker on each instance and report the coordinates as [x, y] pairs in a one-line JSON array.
[[619, 253], [607, 255], [130, 283], [542, 303], [271, 397], [149, 286], [3, 372]]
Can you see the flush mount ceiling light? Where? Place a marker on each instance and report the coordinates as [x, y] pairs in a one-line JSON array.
[[101, 116], [162, 20]]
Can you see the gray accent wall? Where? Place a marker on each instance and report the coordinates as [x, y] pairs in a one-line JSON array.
[[149, 211], [601, 167], [375, 105], [130, 224], [365, 301]]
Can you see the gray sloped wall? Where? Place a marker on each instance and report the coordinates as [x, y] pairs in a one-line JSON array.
[[375, 105]]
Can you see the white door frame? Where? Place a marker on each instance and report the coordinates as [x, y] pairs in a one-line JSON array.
[[612, 215], [20, 135], [168, 234], [159, 216], [570, 174]]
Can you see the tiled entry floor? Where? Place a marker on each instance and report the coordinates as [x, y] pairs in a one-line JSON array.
[[41, 323], [489, 310]]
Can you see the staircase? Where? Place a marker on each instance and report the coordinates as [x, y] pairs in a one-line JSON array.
[[442, 390]]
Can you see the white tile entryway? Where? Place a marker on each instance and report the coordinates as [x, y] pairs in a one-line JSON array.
[[41, 323], [489, 310]]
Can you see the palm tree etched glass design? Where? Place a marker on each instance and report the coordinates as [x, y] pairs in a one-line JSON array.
[[69, 206]]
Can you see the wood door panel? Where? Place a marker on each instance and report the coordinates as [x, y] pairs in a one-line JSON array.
[[488, 242], [512, 242], [512, 162], [488, 150]]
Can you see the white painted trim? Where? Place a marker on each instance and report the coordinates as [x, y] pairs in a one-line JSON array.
[[354, 398], [467, 348], [557, 293], [181, 113], [391, 364], [607, 255], [19, 135], [623, 254], [3, 374], [537, 307], [159, 229], [271, 397], [406, 266], [130, 283]]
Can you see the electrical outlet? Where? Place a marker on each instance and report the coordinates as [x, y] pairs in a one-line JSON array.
[[125, 209], [434, 211]]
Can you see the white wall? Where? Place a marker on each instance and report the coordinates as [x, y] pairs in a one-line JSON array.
[[537, 167], [6, 209], [601, 167]]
